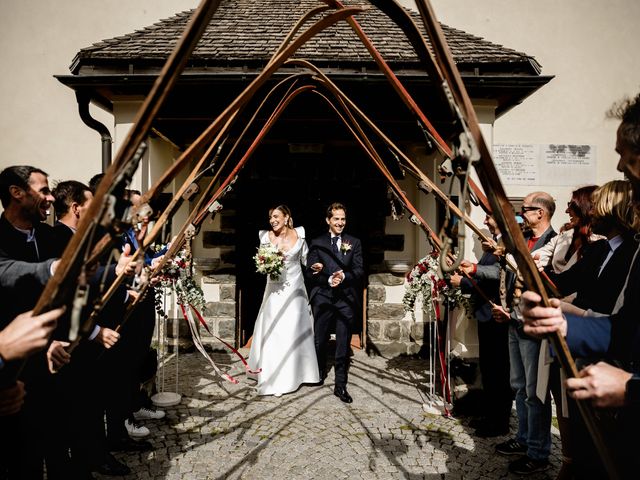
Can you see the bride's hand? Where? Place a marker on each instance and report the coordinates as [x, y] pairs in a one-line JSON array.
[[317, 267]]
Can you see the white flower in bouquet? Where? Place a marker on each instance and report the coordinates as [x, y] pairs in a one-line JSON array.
[[269, 261]]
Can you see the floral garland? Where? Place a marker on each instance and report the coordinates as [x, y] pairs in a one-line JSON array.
[[424, 280], [177, 275], [269, 260]]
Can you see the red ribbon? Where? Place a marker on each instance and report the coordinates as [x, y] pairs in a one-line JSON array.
[[236, 352], [201, 349]]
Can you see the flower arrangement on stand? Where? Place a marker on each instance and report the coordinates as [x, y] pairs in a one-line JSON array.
[[425, 280], [269, 260], [177, 275]]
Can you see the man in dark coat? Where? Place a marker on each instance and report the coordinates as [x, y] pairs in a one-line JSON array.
[[336, 280], [493, 343], [24, 237]]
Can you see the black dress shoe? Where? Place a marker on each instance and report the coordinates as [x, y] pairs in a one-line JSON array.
[[112, 467], [127, 444], [342, 394]]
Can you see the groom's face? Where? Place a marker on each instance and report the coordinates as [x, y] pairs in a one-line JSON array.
[[337, 221]]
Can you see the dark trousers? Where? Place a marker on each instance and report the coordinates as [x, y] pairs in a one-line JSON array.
[[124, 364], [36, 435], [326, 311], [85, 384], [493, 345]]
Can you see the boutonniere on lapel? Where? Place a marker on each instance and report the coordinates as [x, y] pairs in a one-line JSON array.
[[345, 247]]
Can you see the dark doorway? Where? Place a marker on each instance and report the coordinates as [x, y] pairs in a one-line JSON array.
[[307, 183]]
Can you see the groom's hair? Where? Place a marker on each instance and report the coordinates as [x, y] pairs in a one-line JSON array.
[[335, 206]]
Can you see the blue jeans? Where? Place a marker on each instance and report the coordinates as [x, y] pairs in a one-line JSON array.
[[534, 416]]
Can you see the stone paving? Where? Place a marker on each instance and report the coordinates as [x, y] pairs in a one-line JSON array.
[[226, 431]]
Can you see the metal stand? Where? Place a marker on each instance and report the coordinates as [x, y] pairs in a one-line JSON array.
[[163, 398]]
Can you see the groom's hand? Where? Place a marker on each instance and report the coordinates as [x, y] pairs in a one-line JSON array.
[[337, 278]]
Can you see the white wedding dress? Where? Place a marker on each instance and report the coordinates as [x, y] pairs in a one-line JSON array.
[[283, 345]]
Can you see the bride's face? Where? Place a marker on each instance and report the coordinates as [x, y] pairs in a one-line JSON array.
[[278, 220]]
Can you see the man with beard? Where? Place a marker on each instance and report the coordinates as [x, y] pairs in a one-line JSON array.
[[614, 384], [26, 198]]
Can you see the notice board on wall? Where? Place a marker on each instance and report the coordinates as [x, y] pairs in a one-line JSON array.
[[545, 164]]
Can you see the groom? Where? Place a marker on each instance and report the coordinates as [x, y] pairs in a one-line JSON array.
[[335, 280]]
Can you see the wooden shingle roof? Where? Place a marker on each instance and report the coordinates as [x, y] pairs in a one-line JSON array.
[[247, 32]]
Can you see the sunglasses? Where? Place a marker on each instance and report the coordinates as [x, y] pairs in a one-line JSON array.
[[524, 209]]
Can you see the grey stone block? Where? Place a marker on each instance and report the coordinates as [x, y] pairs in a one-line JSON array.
[[390, 349], [376, 293], [386, 279], [219, 278], [220, 309], [228, 293], [417, 330], [386, 311], [374, 329], [227, 329], [396, 331]]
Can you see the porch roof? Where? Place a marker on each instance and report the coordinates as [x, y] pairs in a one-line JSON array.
[[243, 35], [246, 33]]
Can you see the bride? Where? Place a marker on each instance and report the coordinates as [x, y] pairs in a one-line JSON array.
[[283, 345]]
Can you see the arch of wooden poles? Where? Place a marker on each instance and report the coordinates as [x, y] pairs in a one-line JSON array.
[[469, 149]]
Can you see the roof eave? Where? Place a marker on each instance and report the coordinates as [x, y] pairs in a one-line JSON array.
[[511, 88]]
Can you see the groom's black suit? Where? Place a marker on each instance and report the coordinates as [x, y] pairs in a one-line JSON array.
[[341, 303]]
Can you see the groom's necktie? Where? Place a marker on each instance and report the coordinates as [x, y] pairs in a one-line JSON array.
[[334, 244]]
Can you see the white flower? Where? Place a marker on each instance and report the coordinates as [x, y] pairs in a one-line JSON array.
[[345, 247]]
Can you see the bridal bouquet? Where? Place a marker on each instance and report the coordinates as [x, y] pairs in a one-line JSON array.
[[425, 280], [269, 260]]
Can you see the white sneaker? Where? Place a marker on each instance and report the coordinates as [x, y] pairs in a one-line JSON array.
[[136, 430], [148, 414]]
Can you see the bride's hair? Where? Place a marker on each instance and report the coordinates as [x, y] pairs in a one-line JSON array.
[[285, 211]]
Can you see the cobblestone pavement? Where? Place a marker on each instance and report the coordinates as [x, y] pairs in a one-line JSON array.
[[226, 431]]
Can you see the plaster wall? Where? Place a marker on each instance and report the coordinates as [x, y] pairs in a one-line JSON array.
[[39, 117], [588, 45]]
